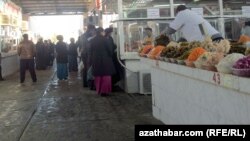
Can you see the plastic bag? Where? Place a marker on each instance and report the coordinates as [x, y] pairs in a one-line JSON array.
[[80, 66]]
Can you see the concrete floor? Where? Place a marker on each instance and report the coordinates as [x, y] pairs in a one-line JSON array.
[[65, 111]]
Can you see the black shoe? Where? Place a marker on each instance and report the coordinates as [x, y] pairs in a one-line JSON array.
[[2, 79], [104, 94]]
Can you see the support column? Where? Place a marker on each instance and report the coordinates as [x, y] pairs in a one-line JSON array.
[[221, 19]]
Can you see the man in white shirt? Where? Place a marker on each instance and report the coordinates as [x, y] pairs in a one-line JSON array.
[[189, 23]]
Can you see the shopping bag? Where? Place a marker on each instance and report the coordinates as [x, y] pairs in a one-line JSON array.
[[80, 66], [90, 74]]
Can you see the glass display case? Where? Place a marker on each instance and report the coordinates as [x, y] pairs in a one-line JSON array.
[[9, 38]]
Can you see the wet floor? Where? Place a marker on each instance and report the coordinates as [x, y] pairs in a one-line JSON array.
[[65, 111]]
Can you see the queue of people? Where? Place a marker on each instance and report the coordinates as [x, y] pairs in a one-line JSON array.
[[98, 53]]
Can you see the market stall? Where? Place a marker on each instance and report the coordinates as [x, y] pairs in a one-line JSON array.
[[10, 35]]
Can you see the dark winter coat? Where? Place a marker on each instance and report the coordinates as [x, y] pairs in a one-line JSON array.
[[101, 57], [61, 52], [73, 49]]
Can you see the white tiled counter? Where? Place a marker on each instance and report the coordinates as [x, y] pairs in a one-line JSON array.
[[184, 95], [10, 63]]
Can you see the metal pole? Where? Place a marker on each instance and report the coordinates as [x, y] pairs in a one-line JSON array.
[[221, 19], [171, 8]]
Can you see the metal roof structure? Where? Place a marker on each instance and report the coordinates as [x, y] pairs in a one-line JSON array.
[[52, 7]]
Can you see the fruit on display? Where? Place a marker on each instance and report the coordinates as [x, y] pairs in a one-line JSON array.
[[208, 60], [185, 55], [243, 63], [195, 54], [194, 44], [155, 52], [181, 51], [226, 64], [173, 44], [223, 46], [244, 39], [184, 44], [169, 52], [208, 44], [237, 49], [145, 50], [247, 52]]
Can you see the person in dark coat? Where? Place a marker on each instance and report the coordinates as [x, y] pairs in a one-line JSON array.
[[40, 55], [51, 52], [101, 61], [117, 76], [73, 66], [46, 46], [84, 45], [61, 58]]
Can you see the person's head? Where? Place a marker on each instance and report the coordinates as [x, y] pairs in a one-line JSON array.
[[162, 40], [90, 28], [40, 39], [59, 38], [46, 41], [100, 31], [108, 31], [25, 37], [49, 41], [180, 8], [247, 23], [148, 31], [72, 40]]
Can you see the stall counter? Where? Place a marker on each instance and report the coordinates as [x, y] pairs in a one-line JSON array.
[[185, 95], [10, 63]]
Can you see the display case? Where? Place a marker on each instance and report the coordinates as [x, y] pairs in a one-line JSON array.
[[10, 28]]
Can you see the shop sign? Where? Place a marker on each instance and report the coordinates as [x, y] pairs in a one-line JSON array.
[[11, 9], [199, 11], [245, 10], [153, 13]]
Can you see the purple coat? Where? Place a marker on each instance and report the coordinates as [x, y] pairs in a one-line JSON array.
[[101, 57]]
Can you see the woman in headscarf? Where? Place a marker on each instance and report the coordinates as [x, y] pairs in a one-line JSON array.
[[40, 55], [118, 75], [61, 58], [102, 64]]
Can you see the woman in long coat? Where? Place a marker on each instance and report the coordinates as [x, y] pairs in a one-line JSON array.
[[102, 63], [73, 66], [40, 55]]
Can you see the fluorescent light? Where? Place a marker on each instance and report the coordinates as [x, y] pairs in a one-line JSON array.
[[167, 5]]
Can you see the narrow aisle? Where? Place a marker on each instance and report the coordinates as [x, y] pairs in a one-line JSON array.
[[68, 112], [19, 101]]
